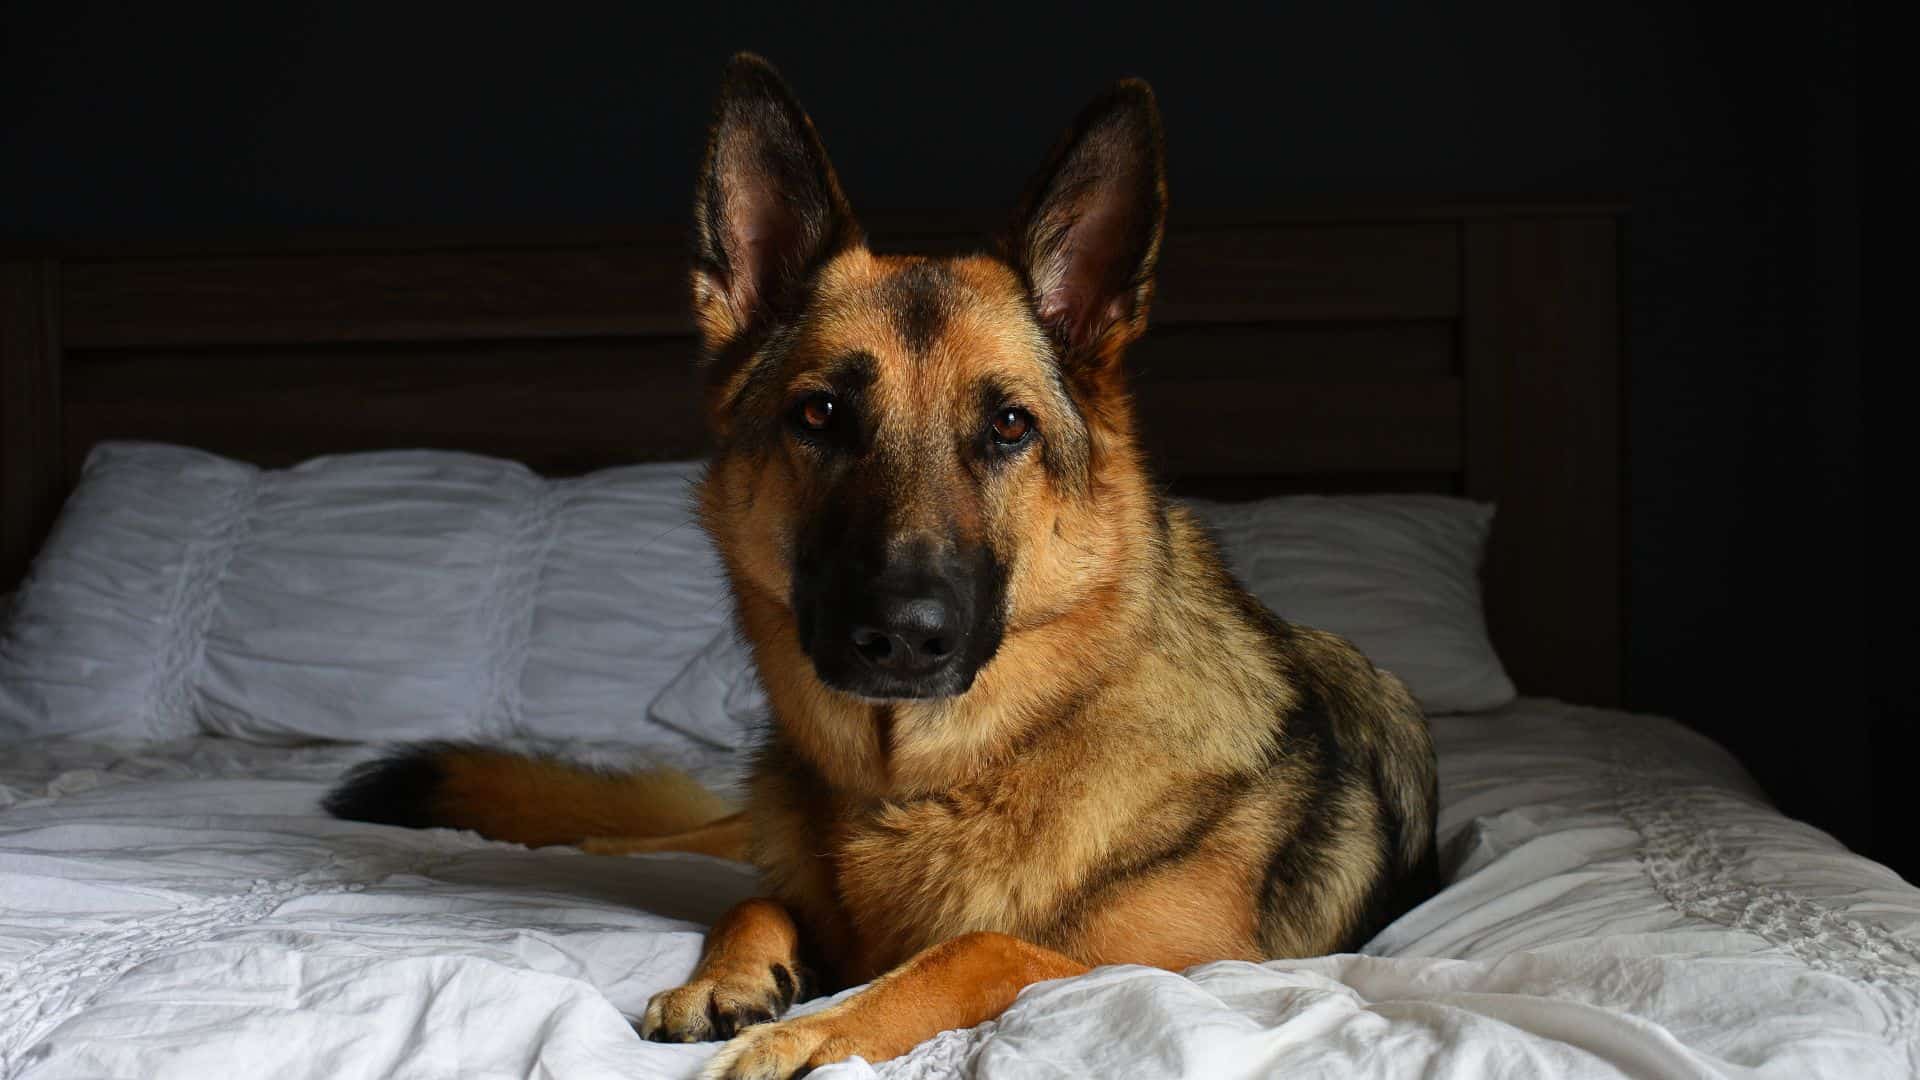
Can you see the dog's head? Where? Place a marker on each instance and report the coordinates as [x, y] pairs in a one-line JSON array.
[[910, 451]]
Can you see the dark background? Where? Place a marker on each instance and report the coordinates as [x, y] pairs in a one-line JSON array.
[[1732, 134]]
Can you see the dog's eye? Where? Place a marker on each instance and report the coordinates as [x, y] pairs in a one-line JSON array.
[[815, 412], [1011, 425]]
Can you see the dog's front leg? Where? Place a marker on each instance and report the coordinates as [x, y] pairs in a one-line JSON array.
[[956, 984], [749, 973]]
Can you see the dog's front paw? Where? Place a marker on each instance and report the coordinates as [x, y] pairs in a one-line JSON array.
[[779, 1051], [709, 1009]]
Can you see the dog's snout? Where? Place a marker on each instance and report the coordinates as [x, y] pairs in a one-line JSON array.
[[911, 618], [908, 635]]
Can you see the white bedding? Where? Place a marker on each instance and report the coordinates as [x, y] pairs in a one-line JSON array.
[[1628, 906]]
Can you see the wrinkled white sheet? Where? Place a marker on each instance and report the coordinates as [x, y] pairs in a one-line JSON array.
[[1624, 904]]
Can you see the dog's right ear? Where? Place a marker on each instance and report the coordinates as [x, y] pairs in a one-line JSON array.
[[768, 209]]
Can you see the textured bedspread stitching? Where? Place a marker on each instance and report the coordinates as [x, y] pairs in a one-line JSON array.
[[1691, 864], [65, 976]]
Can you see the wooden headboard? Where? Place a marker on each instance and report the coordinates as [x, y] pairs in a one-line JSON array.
[[1467, 348]]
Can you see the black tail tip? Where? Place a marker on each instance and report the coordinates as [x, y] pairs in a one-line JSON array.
[[400, 788]]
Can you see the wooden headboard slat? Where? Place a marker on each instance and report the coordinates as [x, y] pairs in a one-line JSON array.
[[377, 296], [1297, 352], [560, 406], [1341, 414], [1292, 273], [1241, 426], [1309, 273]]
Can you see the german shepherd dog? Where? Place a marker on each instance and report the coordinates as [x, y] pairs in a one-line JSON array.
[[1023, 720]]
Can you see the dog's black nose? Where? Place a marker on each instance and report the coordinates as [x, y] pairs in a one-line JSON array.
[[908, 635]]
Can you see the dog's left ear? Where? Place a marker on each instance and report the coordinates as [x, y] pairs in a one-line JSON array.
[[768, 209], [1087, 233]]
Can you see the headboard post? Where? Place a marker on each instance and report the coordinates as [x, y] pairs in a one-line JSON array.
[[1540, 341], [30, 465]]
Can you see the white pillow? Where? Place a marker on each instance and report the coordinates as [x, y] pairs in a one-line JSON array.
[[398, 595], [1397, 575], [717, 697], [424, 594]]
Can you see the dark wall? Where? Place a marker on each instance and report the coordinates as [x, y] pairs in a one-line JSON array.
[[1735, 144]]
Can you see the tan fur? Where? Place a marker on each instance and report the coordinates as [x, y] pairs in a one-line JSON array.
[[537, 801], [725, 839], [749, 972], [957, 984], [1123, 782], [1130, 682], [1166, 708], [1197, 911]]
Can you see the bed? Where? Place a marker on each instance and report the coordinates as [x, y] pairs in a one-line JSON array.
[[1621, 899]]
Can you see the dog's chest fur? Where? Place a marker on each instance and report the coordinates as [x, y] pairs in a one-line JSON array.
[[1019, 851], [890, 877]]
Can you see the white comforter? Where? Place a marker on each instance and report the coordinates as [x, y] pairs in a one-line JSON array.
[[1623, 903]]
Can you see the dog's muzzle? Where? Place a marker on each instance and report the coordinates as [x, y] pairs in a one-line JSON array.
[[915, 631]]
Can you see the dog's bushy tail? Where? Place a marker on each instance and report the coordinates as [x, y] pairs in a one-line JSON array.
[[520, 798]]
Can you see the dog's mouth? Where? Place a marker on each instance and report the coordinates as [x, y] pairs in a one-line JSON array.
[[882, 690]]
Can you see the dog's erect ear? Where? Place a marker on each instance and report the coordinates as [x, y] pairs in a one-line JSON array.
[[769, 207], [1087, 233]]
